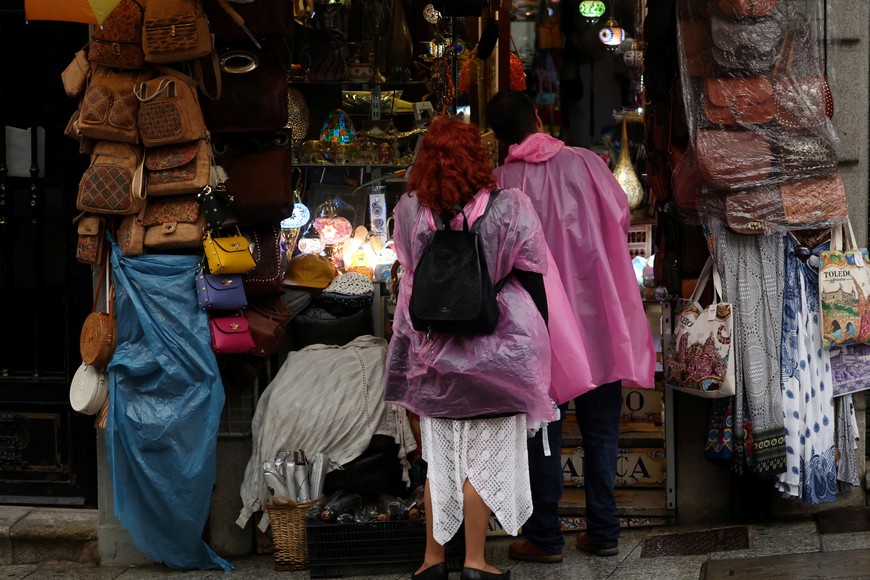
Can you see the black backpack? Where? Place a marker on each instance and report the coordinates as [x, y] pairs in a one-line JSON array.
[[452, 291]]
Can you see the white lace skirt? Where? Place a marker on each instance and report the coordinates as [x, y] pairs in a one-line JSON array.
[[491, 454]]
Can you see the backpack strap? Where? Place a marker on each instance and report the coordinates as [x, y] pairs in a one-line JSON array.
[[492, 195], [439, 223]]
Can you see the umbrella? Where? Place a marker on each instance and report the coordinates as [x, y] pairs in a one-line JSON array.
[[86, 11]]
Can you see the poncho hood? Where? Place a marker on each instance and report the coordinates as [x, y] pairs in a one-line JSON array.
[[536, 148]]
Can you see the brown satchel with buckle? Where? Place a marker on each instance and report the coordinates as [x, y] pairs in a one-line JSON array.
[[737, 101], [109, 108], [169, 112], [117, 42], [113, 184], [175, 30], [172, 224]]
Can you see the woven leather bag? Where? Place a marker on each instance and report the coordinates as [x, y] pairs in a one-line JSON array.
[[814, 203], [732, 159], [745, 45], [169, 112], [173, 224], [175, 30], [109, 108], [267, 278], [737, 101], [268, 322], [113, 184], [747, 8], [117, 42], [178, 169], [98, 337]]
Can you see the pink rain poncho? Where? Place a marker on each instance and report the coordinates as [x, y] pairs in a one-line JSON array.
[[584, 213], [465, 376]]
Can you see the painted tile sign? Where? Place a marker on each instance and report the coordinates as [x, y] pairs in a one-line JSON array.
[[637, 467]]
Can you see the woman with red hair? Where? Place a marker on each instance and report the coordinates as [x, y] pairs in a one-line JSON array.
[[476, 394]]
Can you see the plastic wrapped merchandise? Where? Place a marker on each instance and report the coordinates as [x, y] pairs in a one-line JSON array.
[[345, 503], [391, 506], [317, 507], [275, 483], [319, 466], [758, 107]]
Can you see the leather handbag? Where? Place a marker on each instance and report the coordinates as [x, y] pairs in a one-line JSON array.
[[220, 291], [804, 154], [268, 323], [695, 47], [264, 19], [754, 211], [253, 96], [98, 336], [175, 30], [701, 360], [745, 45], [92, 232], [230, 334], [215, 203], [228, 255], [732, 159], [75, 75], [178, 169], [747, 8], [113, 183], [109, 107], [117, 42], [260, 176], [738, 101], [267, 278], [173, 224], [131, 234], [814, 203], [169, 112], [802, 101]]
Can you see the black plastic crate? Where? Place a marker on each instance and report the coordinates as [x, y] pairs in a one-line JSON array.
[[337, 549]]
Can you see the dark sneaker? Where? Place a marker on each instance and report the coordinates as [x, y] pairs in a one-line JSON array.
[[527, 551], [583, 543]]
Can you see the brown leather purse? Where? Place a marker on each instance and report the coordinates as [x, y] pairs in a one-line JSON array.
[[267, 277], [738, 101], [113, 183], [109, 108], [814, 203], [178, 169], [175, 30], [117, 42], [732, 159], [173, 224], [98, 336], [169, 111], [92, 232], [802, 101], [267, 320], [754, 211]]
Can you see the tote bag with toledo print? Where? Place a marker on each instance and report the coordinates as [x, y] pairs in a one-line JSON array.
[[844, 291], [701, 360]]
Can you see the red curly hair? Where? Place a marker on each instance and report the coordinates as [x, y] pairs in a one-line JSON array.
[[451, 166]]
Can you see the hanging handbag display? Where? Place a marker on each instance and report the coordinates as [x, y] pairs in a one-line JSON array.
[[228, 255], [738, 101], [802, 94], [178, 169], [175, 30], [732, 159], [745, 45], [131, 234], [173, 224], [88, 390], [109, 108], [814, 203], [98, 336], [701, 359], [91, 231], [169, 111], [220, 291], [844, 287], [268, 322], [215, 203], [747, 8], [260, 176], [267, 278], [117, 42], [804, 154], [75, 75], [113, 183], [253, 93], [230, 334], [754, 211]]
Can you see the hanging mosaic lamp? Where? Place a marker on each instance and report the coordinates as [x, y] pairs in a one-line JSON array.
[[333, 229], [431, 14], [438, 46], [298, 218], [625, 174], [337, 128], [297, 114], [592, 10], [611, 35], [311, 242]]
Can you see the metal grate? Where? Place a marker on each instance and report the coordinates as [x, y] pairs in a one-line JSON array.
[[238, 411], [703, 542]]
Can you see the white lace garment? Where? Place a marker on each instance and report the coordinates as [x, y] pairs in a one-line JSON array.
[[492, 455]]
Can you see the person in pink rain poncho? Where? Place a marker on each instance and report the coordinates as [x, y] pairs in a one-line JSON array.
[[475, 393], [600, 336]]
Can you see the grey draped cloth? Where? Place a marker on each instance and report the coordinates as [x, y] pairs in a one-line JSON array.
[[752, 269]]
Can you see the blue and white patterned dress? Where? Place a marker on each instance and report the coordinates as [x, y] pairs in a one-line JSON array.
[[807, 393]]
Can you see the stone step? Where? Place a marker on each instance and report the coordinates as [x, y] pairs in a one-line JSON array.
[[30, 535]]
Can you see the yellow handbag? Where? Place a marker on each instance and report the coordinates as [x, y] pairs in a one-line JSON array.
[[228, 255]]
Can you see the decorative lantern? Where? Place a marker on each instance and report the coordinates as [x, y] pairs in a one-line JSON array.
[[611, 35], [311, 242], [333, 229], [625, 174], [431, 14], [592, 10], [337, 128], [438, 46], [297, 114]]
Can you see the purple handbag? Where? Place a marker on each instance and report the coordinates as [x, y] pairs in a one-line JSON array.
[[220, 291], [230, 334]]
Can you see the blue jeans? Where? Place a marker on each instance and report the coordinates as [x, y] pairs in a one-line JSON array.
[[598, 413]]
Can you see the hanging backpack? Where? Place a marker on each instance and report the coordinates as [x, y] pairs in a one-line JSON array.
[[452, 290]]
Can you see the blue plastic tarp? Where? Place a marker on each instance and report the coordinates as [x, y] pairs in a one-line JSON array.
[[166, 396]]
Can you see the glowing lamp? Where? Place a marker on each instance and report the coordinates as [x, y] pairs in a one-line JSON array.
[[333, 229], [592, 10], [337, 128], [438, 46], [611, 35], [625, 174], [311, 242]]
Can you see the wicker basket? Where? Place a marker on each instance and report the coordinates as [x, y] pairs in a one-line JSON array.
[[288, 534]]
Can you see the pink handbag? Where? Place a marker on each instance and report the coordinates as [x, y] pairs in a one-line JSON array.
[[230, 334]]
